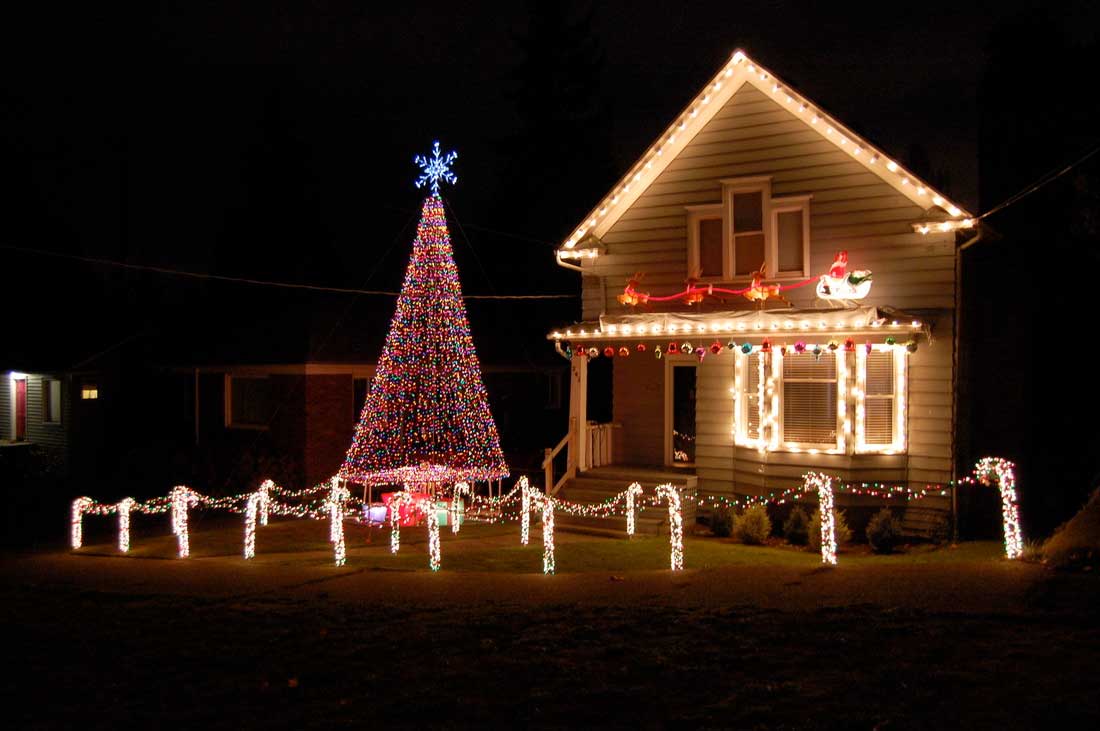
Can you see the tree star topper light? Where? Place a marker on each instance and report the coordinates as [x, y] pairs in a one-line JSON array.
[[436, 168]]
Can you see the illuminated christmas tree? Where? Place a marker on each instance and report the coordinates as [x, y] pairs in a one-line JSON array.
[[426, 419]]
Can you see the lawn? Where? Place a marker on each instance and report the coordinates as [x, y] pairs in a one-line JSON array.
[[483, 548]]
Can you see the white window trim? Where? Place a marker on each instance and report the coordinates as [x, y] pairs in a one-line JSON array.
[[850, 436], [772, 207], [695, 215], [229, 423], [790, 204]]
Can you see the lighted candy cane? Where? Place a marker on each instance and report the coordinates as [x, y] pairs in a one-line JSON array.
[[396, 501], [1005, 473], [525, 511], [675, 525], [265, 500], [826, 509], [548, 564], [433, 534], [250, 510], [76, 521], [124, 508], [182, 498], [337, 496], [634, 489], [460, 489]]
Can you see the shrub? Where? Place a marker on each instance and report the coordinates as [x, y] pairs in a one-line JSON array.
[[1076, 543], [721, 521], [796, 527], [840, 529], [883, 531], [753, 526]]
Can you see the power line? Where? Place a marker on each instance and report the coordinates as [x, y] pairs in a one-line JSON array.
[[1042, 181], [261, 282]]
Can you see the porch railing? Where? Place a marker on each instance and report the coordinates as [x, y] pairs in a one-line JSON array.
[[599, 452], [550, 486], [597, 441]]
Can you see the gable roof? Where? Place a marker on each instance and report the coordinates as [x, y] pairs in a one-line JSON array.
[[730, 78]]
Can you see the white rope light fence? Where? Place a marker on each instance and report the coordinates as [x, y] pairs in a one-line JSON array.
[[124, 507], [76, 521], [182, 498], [265, 500]]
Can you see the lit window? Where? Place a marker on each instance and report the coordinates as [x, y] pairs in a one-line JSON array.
[[809, 403], [89, 392], [51, 401]]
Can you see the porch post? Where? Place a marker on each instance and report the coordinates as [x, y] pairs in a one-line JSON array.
[[578, 413]]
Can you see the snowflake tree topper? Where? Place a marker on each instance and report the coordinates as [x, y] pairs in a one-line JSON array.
[[436, 168]]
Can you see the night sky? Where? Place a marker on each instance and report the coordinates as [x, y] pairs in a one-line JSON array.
[[275, 141]]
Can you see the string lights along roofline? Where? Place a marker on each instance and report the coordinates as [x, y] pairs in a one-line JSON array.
[[741, 70], [436, 168]]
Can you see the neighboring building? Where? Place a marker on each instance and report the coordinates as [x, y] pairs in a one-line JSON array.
[[36, 408], [753, 177]]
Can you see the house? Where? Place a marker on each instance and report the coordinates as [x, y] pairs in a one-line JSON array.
[[772, 294], [36, 408]]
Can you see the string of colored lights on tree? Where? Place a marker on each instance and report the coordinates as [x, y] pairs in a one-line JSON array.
[[426, 419]]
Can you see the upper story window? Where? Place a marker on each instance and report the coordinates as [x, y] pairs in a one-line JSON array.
[[748, 231]]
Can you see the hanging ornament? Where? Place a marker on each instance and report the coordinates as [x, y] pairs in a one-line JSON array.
[[685, 347], [593, 352], [766, 346], [890, 340], [817, 351], [911, 346], [746, 348], [609, 351], [568, 351], [716, 347], [624, 352], [700, 352], [657, 352], [800, 347], [731, 345], [869, 347], [849, 346], [673, 348], [783, 350], [640, 348], [833, 345]]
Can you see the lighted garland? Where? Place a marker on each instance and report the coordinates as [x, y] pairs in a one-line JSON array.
[[1004, 472]]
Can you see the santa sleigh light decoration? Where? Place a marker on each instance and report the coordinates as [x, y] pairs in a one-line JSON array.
[[839, 285]]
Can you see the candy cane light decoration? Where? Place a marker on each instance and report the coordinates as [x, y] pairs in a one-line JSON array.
[[337, 495], [433, 535], [826, 510], [76, 521], [675, 525], [460, 489], [525, 511], [631, 492], [548, 563], [397, 500], [250, 510], [182, 498], [1004, 472], [124, 507], [265, 500]]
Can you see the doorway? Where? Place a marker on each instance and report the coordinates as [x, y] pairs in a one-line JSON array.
[[680, 387], [20, 409]]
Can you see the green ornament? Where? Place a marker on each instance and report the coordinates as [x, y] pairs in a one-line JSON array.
[[746, 348], [890, 340]]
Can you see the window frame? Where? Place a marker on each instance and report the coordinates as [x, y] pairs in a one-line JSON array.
[[771, 208], [48, 402], [229, 422], [899, 399], [837, 445]]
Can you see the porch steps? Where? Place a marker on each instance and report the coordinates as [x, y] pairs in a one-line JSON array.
[[602, 483]]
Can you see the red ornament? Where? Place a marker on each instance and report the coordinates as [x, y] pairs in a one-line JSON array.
[[800, 347], [673, 348], [609, 351], [716, 347], [766, 346], [849, 345], [624, 352], [641, 347]]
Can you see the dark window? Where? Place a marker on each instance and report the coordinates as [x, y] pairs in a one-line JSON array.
[[51, 401], [710, 247], [250, 401]]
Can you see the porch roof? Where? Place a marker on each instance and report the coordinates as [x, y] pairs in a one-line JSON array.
[[747, 324]]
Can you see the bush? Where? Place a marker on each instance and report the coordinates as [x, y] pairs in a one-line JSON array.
[[840, 529], [883, 531], [721, 521], [1076, 543], [753, 526], [796, 527]]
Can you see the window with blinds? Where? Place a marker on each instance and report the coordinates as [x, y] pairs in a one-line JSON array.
[[810, 399], [878, 418], [751, 396]]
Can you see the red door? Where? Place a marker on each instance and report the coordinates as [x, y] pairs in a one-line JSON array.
[[20, 409]]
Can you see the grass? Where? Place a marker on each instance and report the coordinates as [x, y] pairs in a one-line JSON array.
[[485, 548]]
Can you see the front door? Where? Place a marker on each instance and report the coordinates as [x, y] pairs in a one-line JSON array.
[[680, 412], [20, 409]]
